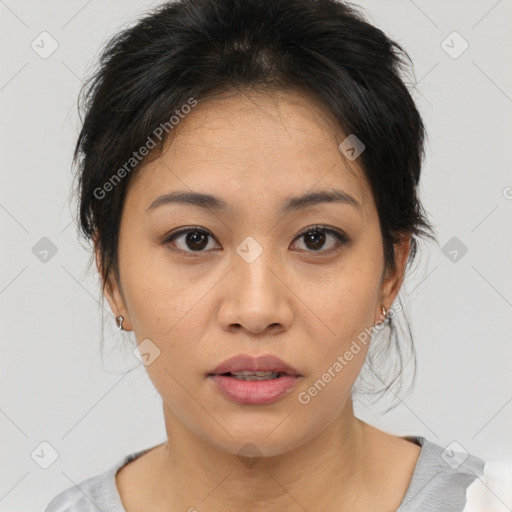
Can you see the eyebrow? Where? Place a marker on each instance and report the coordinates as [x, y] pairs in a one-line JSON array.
[[213, 203]]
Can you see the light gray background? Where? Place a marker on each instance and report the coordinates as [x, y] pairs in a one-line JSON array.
[[55, 386]]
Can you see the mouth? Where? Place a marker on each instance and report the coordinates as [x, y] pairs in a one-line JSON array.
[[254, 380], [248, 375], [247, 367]]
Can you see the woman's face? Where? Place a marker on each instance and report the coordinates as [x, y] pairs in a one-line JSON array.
[[254, 279]]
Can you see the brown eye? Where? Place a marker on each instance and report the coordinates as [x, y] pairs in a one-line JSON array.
[[315, 239], [195, 240], [190, 240]]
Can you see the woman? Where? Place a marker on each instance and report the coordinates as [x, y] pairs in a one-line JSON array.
[[248, 172]]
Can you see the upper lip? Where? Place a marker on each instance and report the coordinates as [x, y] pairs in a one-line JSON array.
[[250, 363]]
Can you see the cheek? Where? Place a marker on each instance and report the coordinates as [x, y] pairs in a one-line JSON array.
[[160, 298], [339, 356], [345, 308], [347, 301]]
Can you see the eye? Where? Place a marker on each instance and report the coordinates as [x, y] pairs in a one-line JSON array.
[[315, 237], [194, 238]]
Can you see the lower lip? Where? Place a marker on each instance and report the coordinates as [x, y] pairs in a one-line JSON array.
[[255, 392]]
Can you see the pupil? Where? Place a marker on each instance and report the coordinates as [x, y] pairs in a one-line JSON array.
[[311, 237], [194, 238]]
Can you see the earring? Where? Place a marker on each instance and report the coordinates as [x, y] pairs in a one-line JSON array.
[[384, 314], [119, 322]]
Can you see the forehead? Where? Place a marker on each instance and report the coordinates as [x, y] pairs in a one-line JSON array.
[[240, 146], [253, 121]]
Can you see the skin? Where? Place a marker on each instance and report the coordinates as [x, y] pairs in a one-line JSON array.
[[305, 306]]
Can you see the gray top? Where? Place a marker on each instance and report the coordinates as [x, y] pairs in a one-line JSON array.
[[439, 483]]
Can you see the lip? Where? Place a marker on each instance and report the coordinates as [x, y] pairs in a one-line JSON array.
[[263, 363], [256, 392]]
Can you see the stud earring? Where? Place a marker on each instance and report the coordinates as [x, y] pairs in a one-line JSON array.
[[384, 314], [119, 322]]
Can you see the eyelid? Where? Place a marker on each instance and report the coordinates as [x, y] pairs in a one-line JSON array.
[[186, 229], [321, 227]]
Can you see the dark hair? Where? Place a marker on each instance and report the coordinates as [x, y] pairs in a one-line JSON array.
[[199, 48]]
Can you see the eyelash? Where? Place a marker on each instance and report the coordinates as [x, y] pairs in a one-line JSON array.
[[340, 238]]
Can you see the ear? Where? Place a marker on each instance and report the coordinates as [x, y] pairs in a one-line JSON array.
[[112, 290], [392, 281]]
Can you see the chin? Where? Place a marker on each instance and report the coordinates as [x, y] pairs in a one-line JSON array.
[[268, 439]]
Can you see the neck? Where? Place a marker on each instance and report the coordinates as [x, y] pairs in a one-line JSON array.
[[199, 474]]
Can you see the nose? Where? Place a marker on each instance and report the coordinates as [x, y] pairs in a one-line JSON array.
[[257, 298]]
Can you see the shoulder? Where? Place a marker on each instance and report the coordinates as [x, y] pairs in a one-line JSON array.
[[98, 492], [444, 477]]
